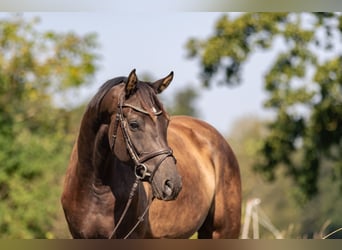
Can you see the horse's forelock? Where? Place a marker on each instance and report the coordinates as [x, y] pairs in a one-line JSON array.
[[148, 99]]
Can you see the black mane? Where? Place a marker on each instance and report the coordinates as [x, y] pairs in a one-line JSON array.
[[96, 100]]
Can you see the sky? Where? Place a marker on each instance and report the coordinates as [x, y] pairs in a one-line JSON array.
[[167, 5], [154, 43]]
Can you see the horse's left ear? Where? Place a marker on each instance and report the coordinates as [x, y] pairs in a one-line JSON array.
[[131, 84], [162, 84]]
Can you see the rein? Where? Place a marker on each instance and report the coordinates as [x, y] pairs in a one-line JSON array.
[[140, 218], [141, 171]]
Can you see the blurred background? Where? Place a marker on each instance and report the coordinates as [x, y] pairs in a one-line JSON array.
[[271, 83]]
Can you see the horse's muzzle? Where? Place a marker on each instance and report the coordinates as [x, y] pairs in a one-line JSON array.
[[170, 189]]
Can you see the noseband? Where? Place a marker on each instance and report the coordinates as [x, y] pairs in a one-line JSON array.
[[141, 170]]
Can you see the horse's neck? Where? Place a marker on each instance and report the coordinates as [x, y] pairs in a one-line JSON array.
[[94, 154], [91, 144], [96, 163]]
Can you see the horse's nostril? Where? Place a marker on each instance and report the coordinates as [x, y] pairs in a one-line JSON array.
[[168, 188]]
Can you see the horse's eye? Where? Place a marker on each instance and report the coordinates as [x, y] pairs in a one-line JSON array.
[[133, 125]]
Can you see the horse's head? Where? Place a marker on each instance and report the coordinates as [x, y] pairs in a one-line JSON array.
[[138, 134]]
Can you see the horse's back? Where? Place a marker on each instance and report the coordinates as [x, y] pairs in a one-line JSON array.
[[210, 200]]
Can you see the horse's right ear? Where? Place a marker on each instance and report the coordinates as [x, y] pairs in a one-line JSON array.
[[163, 83], [131, 84]]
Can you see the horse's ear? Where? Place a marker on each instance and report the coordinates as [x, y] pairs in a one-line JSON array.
[[162, 84], [131, 83]]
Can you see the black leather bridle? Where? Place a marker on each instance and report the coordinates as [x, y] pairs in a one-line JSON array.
[[140, 160], [142, 173]]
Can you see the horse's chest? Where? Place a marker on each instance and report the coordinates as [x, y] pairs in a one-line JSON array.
[[92, 217]]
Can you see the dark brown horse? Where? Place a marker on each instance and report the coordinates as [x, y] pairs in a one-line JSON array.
[[128, 151]]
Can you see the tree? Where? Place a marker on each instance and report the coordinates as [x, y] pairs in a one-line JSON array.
[[35, 138], [183, 102], [305, 221], [304, 87]]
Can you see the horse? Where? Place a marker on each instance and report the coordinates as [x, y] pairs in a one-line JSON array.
[[136, 172]]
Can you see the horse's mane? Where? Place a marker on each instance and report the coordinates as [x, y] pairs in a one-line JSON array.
[[95, 102]]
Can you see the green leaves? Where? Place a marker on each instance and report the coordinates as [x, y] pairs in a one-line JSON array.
[[72, 50], [304, 86], [36, 136], [183, 102], [232, 42]]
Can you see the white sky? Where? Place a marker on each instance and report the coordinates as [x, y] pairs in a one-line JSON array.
[[169, 5], [155, 43]]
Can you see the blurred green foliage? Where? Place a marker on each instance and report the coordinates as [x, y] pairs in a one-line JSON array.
[[183, 102], [314, 219], [35, 134], [303, 83]]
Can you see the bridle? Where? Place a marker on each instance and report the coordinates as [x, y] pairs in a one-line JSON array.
[[140, 169]]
